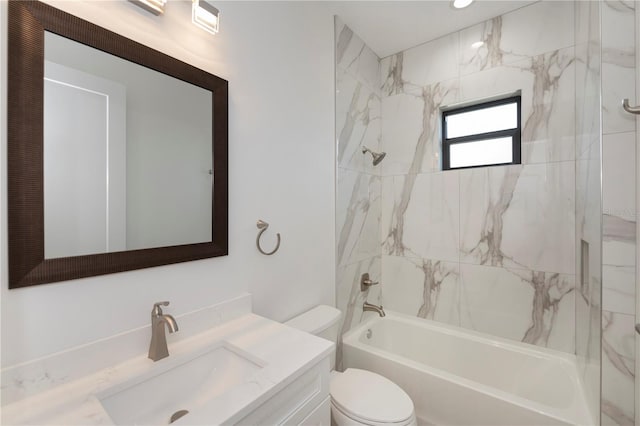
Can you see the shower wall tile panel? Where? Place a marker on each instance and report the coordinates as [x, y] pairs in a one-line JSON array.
[[358, 191], [519, 216], [353, 56], [548, 321], [490, 249], [358, 212], [547, 86], [524, 33], [349, 298], [411, 127], [618, 65], [618, 184], [424, 222], [618, 368], [426, 288], [357, 122], [619, 212]]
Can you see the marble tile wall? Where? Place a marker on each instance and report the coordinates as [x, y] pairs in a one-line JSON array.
[[490, 249], [619, 212], [359, 186]]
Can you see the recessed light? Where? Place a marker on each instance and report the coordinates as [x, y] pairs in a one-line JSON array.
[[460, 4], [477, 44]]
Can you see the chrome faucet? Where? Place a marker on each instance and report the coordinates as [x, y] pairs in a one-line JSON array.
[[373, 308], [158, 347]]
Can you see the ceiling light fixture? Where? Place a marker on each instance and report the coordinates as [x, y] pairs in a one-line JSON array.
[[154, 6], [461, 4], [205, 15]]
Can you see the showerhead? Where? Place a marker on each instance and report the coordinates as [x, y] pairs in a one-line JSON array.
[[377, 157]]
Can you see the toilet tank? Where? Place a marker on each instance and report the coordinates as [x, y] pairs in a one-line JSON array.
[[322, 321]]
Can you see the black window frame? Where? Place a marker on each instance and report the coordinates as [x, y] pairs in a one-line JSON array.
[[515, 133]]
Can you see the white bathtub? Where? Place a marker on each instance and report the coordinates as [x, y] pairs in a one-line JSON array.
[[461, 377]]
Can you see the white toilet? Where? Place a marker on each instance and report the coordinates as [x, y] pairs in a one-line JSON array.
[[358, 397]]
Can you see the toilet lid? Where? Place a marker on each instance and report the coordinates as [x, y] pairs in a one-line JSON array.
[[368, 396]]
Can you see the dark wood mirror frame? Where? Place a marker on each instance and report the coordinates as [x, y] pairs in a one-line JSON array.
[[28, 21]]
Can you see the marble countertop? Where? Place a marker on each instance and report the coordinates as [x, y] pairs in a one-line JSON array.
[[285, 352]]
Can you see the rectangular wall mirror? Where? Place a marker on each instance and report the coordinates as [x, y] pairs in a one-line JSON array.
[[117, 153]]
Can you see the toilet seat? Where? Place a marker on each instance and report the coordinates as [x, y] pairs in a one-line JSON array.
[[370, 398], [340, 418]]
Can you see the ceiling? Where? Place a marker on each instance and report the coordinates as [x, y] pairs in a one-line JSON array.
[[389, 27]]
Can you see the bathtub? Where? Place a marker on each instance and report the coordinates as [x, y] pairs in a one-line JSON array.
[[461, 377]]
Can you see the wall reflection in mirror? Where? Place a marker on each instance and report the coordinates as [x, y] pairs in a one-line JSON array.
[[127, 154]]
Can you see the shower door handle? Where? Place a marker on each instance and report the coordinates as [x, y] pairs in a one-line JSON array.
[[630, 109], [638, 328]]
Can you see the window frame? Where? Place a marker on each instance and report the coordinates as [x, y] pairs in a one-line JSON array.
[[515, 133]]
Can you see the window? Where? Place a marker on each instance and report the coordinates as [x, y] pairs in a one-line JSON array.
[[485, 134]]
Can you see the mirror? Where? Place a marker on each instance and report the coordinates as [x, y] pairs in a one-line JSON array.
[[117, 153]]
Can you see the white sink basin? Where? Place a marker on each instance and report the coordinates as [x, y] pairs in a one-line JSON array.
[[174, 385]]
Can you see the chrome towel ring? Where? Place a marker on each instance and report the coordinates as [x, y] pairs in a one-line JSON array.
[[262, 226]]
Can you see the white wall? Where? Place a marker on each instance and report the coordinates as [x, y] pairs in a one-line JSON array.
[[278, 58]]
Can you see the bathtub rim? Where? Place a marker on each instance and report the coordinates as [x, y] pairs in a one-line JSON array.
[[572, 414]]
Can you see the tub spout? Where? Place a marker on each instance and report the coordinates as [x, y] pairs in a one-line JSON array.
[[373, 308]]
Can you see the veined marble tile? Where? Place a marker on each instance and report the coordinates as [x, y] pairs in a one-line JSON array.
[[428, 63], [588, 108], [421, 287], [539, 28], [391, 187], [355, 57], [519, 216], [391, 82], [349, 298], [348, 295], [618, 65], [587, 21], [401, 129], [589, 230], [588, 353], [357, 216], [588, 328], [424, 222], [357, 123], [411, 129], [618, 82], [532, 307], [618, 29], [589, 203], [619, 289], [547, 88], [618, 175], [618, 366], [618, 241]]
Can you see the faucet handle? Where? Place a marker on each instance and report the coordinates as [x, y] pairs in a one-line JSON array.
[[365, 282], [157, 310]]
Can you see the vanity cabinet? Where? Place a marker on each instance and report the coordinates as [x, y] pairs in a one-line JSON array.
[[304, 401]]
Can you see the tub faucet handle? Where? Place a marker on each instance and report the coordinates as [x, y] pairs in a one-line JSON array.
[[365, 282]]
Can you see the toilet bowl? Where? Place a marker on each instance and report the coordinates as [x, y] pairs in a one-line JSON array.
[[358, 397]]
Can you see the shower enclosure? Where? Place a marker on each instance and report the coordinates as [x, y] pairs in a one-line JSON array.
[[514, 252]]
